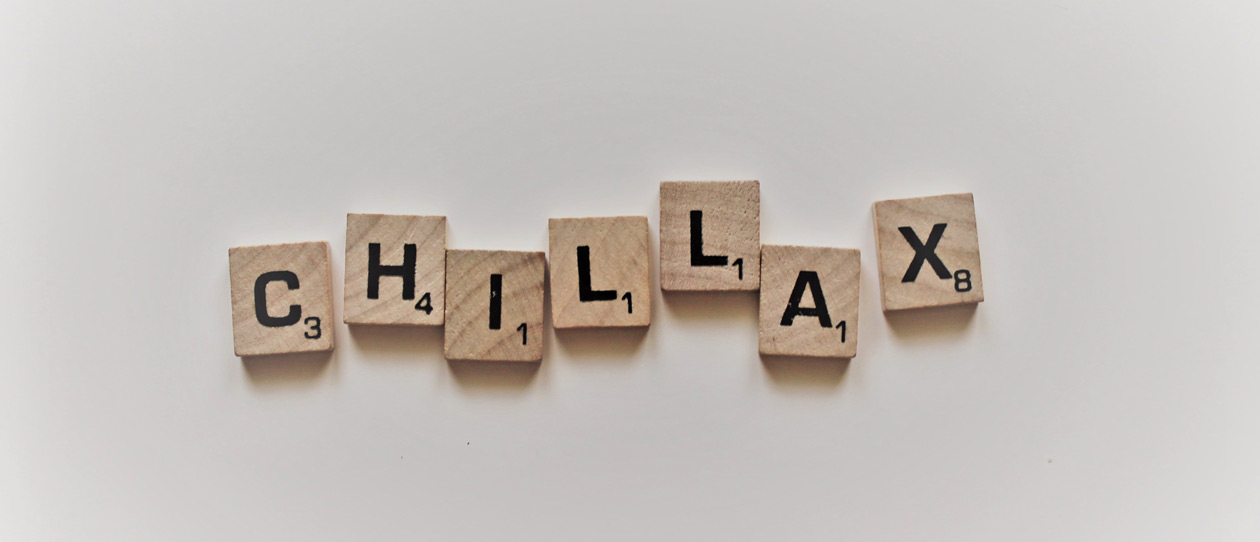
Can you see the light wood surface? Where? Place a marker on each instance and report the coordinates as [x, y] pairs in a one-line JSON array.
[[947, 273], [281, 298], [726, 253], [615, 250], [395, 237], [472, 298], [809, 301]]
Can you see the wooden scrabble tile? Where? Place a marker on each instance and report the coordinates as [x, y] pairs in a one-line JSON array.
[[494, 308], [809, 301], [281, 298], [928, 252], [710, 235], [599, 272], [395, 270]]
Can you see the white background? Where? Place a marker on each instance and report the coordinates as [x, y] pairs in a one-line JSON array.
[[1106, 390]]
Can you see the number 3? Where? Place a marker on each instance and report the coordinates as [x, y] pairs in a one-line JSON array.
[[314, 323]]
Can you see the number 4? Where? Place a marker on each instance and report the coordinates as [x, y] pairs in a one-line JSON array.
[[425, 304]]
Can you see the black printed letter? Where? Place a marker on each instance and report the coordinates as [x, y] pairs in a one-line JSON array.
[[698, 257], [803, 280], [496, 300], [924, 252], [260, 299], [407, 271], [585, 293]]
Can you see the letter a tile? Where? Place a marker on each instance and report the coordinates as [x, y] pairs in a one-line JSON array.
[[395, 270], [494, 309], [281, 298], [599, 272], [928, 251], [809, 301], [710, 235]]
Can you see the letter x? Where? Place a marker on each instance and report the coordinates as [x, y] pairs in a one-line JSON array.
[[924, 252]]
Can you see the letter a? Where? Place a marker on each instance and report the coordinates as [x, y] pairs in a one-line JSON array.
[[807, 279]]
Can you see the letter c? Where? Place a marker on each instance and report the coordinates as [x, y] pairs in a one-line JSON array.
[[260, 299]]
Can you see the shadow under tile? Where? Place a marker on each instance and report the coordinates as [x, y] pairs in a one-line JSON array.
[[930, 324], [397, 343], [286, 370], [602, 343], [805, 373], [494, 376]]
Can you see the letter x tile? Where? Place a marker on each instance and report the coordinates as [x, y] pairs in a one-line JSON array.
[[928, 251]]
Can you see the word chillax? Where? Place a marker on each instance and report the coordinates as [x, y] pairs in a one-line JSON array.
[[400, 272]]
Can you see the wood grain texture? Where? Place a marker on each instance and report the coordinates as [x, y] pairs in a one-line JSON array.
[[730, 220], [296, 283], [470, 301], [616, 251], [427, 236], [907, 282], [828, 283]]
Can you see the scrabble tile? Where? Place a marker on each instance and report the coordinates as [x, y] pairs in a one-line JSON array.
[[710, 235], [599, 272], [395, 270], [928, 252], [494, 308], [809, 301], [281, 298]]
